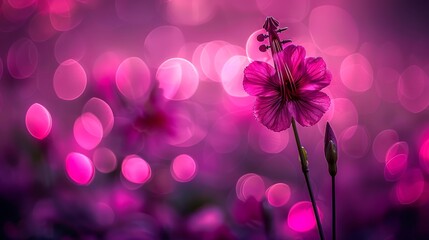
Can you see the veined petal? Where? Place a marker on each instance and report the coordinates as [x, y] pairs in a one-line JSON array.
[[259, 79], [293, 56], [316, 76], [310, 107], [272, 112]]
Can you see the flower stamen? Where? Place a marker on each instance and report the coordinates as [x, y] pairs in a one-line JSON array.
[[287, 83]]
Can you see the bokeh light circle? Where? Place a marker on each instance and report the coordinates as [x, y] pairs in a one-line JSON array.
[[38, 121], [261, 138], [232, 76], [223, 55], [22, 58], [400, 147], [333, 30], [354, 141], [88, 131], [252, 48], [64, 15], [382, 142], [413, 89], [410, 187], [162, 43], [178, 78], [105, 67], [250, 185], [102, 111], [278, 194], [396, 160], [183, 168], [104, 160], [79, 168], [301, 217], [412, 82], [273, 142], [190, 12], [133, 79], [69, 80], [343, 114], [395, 167], [210, 61], [135, 169], [356, 73], [196, 60]]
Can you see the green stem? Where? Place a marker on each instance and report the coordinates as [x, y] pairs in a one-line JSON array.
[[334, 235], [305, 171]]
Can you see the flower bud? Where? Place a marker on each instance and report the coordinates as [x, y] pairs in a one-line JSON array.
[[304, 162], [331, 153]]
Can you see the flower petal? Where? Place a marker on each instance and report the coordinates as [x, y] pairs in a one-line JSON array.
[[259, 79], [316, 76], [310, 107], [272, 112], [293, 56]]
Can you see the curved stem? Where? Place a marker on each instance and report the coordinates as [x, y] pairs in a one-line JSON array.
[[305, 171], [334, 235]]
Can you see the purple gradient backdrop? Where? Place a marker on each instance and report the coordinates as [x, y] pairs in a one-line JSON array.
[[143, 131]]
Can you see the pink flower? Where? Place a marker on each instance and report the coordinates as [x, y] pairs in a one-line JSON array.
[[292, 92]]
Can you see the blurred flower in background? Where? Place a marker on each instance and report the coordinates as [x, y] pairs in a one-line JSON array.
[[127, 119]]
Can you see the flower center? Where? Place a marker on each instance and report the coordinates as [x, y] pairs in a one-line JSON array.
[[287, 83]]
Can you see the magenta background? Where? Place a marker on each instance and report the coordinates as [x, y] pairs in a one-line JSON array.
[[376, 50]]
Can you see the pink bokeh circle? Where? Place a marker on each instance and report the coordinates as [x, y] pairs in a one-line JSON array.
[[22, 58], [104, 160], [410, 187], [38, 121], [88, 131], [162, 43], [136, 170], [232, 76], [278, 194], [413, 89], [190, 12], [382, 143], [183, 168], [178, 78], [301, 217], [79, 168], [102, 111], [250, 185], [133, 79], [252, 48], [70, 80], [356, 73], [333, 30]]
